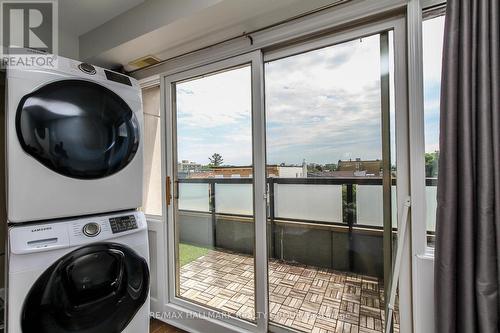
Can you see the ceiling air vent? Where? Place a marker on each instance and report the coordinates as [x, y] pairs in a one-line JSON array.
[[144, 61]]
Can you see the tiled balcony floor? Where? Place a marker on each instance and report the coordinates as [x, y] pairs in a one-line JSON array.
[[307, 298]]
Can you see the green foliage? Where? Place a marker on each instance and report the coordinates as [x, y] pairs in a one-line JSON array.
[[431, 164], [330, 167], [216, 160], [314, 168]]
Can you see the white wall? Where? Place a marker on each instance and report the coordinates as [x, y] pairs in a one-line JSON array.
[[68, 44], [425, 298], [291, 172]]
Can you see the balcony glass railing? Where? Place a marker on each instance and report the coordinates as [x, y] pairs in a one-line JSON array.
[[309, 200], [324, 198], [312, 221]]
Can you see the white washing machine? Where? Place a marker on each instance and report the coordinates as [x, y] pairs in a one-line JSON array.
[[74, 142], [85, 275]]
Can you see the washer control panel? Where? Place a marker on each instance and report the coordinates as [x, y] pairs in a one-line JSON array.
[[74, 232], [91, 229], [87, 68], [123, 223]]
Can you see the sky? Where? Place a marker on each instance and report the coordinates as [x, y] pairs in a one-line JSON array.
[[321, 106], [214, 116], [433, 31]]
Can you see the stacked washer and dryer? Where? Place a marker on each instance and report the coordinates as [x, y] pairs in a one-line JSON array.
[[77, 245]]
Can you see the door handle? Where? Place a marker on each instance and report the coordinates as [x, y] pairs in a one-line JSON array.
[[168, 191], [176, 189]]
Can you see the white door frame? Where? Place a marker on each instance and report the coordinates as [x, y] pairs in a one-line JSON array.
[[398, 25], [185, 313], [254, 59]]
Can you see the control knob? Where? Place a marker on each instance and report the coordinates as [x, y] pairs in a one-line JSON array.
[[87, 68], [91, 229]]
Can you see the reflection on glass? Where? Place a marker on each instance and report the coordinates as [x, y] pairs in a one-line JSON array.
[[214, 219], [433, 32], [324, 117], [152, 151], [78, 128]]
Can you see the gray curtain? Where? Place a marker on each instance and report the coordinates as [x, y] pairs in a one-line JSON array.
[[468, 219]]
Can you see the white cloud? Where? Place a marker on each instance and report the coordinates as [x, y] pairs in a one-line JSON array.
[[325, 105], [432, 35], [215, 100], [214, 115]]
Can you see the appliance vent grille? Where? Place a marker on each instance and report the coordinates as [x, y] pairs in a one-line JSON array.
[[144, 61]]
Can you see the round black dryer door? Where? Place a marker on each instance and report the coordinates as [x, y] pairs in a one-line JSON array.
[[78, 128], [95, 289]]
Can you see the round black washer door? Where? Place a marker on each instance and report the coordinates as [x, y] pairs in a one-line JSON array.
[[78, 128], [94, 289]]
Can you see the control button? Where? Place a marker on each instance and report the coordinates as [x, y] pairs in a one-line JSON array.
[[87, 68], [122, 223], [91, 229]]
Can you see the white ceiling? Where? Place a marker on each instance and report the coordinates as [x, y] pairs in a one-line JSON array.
[[80, 16], [167, 28], [113, 32]]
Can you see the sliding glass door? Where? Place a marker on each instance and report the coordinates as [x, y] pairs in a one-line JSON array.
[[214, 175], [330, 173], [285, 195]]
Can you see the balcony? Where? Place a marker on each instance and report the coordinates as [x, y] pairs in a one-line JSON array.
[[337, 281], [343, 217], [308, 298]]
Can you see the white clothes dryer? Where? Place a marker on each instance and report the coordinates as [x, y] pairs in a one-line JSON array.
[[74, 142]]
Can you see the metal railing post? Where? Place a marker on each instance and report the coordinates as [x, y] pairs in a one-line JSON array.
[[271, 216], [212, 211], [350, 216]]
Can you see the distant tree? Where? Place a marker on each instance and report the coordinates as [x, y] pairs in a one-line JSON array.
[[314, 168], [331, 167], [431, 164], [216, 160]]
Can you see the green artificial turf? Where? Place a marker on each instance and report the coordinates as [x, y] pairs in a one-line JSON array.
[[188, 253]]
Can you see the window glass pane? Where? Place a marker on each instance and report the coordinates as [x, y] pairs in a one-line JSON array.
[[214, 216], [326, 247], [152, 151], [433, 31]]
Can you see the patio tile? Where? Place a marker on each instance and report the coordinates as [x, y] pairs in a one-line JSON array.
[[309, 272], [293, 302], [328, 312], [246, 312], [285, 316], [203, 298], [319, 284], [324, 325], [274, 308], [309, 299], [345, 327], [282, 290], [304, 321], [231, 306]]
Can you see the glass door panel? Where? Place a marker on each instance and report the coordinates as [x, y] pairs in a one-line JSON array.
[[329, 173], [213, 208]]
